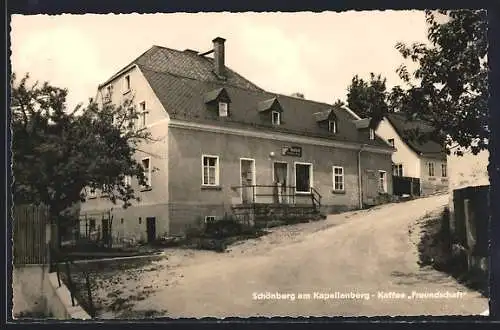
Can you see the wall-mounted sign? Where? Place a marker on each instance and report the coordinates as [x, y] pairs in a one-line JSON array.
[[291, 151]]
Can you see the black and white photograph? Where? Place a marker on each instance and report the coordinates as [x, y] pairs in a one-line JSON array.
[[273, 164]]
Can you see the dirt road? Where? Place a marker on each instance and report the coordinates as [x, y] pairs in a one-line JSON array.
[[370, 256]]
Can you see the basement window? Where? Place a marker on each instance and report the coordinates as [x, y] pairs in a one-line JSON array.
[[209, 219]]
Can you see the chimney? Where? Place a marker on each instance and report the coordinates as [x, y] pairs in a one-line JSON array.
[[220, 68]]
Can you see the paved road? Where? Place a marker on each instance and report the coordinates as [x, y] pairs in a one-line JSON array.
[[371, 253]]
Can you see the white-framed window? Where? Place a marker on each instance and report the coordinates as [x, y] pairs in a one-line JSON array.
[[372, 134], [143, 112], [303, 177], [430, 169], [210, 170], [132, 118], [276, 117], [146, 164], [338, 178], [126, 84], [444, 172], [397, 169], [127, 180], [332, 126], [104, 190], [209, 219], [382, 181], [391, 142], [223, 109], [92, 193], [108, 93]]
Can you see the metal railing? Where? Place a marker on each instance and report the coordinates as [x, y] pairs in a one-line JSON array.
[[275, 194], [77, 280]]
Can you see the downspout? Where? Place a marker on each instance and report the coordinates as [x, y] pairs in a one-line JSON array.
[[360, 182]]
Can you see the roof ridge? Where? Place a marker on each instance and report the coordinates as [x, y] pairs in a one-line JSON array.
[[225, 84], [211, 60]]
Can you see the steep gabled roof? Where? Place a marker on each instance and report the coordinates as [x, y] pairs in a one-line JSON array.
[[428, 148], [183, 80], [214, 95], [323, 115], [269, 104]]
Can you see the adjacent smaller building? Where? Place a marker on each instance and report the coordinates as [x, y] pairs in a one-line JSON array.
[[425, 162]]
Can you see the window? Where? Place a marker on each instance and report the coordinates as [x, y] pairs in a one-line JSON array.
[[303, 177], [210, 170], [142, 114], [107, 95], [146, 164], [92, 193], [397, 169], [131, 118], [127, 180], [382, 181], [444, 173], [372, 134], [209, 219], [121, 221], [430, 168], [223, 109], [391, 142], [126, 86], [140, 220], [104, 191], [276, 117], [338, 178], [92, 225], [332, 126]]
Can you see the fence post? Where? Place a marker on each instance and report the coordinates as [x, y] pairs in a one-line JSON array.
[[89, 293], [58, 275], [70, 283]]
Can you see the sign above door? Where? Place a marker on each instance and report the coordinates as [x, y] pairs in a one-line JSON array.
[[291, 151]]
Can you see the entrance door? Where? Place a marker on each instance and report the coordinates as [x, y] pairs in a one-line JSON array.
[[370, 187], [151, 229], [106, 232], [247, 180], [280, 171]]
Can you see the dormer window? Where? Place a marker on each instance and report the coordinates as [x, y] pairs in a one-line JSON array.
[[327, 120], [332, 126], [270, 111], [223, 109], [217, 103], [276, 118]]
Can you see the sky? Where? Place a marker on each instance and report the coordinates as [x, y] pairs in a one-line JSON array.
[[316, 54]]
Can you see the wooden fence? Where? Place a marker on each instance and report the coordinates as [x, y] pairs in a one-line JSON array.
[[30, 234], [405, 185], [471, 218]]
